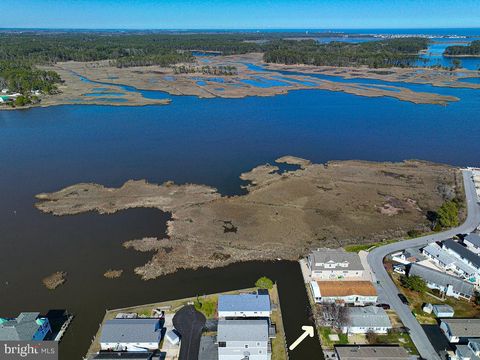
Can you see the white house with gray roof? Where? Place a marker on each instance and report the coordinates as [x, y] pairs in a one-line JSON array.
[[460, 330], [130, 334], [448, 262], [362, 320], [462, 253], [471, 351], [244, 339], [333, 264], [447, 284], [244, 305], [27, 326], [472, 242]]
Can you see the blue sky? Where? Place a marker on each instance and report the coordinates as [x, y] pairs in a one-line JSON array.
[[235, 14]]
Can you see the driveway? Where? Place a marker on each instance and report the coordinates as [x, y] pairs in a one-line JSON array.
[[387, 289], [189, 323]]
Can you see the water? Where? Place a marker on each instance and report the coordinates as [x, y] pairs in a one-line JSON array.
[[207, 141]]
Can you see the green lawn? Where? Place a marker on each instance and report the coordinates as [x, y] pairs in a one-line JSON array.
[[324, 333], [462, 308], [207, 305], [360, 247]]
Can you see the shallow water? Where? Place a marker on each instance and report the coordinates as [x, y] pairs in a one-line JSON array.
[[207, 141]]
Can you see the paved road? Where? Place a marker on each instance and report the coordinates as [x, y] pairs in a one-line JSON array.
[[388, 289]]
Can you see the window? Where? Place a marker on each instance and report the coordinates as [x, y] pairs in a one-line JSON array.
[[246, 346], [222, 344]]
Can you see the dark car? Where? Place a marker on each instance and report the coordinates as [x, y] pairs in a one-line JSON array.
[[384, 306], [403, 298]]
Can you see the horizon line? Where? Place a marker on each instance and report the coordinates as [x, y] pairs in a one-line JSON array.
[[240, 29]]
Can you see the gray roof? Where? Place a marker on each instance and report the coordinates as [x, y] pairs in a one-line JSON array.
[[244, 302], [442, 279], [371, 352], [130, 331], [463, 327], [443, 308], [474, 239], [447, 259], [243, 330], [368, 316], [463, 252], [466, 353], [474, 344], [322, 256], [130, 355], [22, 328]]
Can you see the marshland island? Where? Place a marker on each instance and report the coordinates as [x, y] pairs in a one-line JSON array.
[[137, 69], [287, 208]]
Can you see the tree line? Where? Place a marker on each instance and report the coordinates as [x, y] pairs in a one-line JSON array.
[[376, 54], [470, 50]]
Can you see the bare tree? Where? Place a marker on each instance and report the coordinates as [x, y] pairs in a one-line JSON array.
[[331, 315]]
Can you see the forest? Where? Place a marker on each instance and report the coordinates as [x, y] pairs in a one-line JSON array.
[[376, 54], [458, 50]]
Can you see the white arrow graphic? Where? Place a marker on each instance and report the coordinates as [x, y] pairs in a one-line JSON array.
[[308, 331]]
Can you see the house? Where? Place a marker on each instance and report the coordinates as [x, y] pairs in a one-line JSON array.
[[332, 264], [472, 242], [130, 334], [448, 262], [130, 355], [445, 283], [244, 339], [359, 352], [460, 330], [471, 351], [462, 253], [25, 327], [407, 256], [362, 320], [348, 292], [443, 311], [244, 305]]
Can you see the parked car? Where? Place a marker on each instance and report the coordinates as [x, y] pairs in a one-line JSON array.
[[384, 306], [403, 298]]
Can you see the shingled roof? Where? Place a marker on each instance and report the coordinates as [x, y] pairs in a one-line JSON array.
[[346, 288]]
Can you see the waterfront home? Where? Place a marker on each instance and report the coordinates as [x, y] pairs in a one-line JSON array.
[[471, 351], [347, 292], [448, 262], [332, 264], [244, 339], [447, 284], [362, 320], [460, 330], [472, 242], [461, 252], [245, 305], [359, 352], [443, 311], [130, 334], [27, 326]]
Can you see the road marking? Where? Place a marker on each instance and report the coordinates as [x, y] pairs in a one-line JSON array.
[[308, 331]]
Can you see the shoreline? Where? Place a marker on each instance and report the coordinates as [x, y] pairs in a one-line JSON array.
[[321, 201], [250, 80]]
